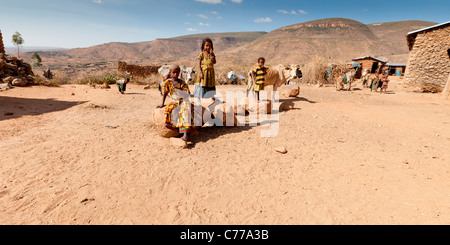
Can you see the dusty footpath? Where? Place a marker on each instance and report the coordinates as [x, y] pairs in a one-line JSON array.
[[79, 155]]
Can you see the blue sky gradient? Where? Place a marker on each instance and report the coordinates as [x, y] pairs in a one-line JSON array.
[[84, 23]]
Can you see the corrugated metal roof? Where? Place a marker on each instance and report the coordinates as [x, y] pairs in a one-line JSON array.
[[427, 28], [361, 58], [396, 64]]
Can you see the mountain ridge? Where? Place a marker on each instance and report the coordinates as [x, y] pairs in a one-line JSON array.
[[334, 38]]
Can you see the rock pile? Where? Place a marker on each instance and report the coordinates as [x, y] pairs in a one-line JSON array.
[[15, 71]]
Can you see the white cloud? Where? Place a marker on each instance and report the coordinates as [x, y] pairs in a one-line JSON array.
[[191, 30], [210, 1], [219, 17], [236, 1], [214, 12], [187, 23], [302, 12], [293, 12], [97, 1], [202, 16], [263, 20], [203, 24]]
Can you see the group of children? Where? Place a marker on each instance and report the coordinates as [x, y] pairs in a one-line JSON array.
[[377, 81], [205, 87]]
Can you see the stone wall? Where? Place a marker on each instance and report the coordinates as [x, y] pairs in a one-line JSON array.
[[446, 92], [2, 47], [137, 70], [15, 71], [429, 61]]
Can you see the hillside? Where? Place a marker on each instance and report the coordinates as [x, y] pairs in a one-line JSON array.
[[393, 35], [336, 38], [154, 52]]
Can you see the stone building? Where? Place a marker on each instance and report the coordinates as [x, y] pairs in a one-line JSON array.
[[2, 47], [429, 58]]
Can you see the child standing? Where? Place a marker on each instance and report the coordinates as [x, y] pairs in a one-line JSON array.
[[259, 75], [178, 90], [384, 82], [206, 79], [122, 85]]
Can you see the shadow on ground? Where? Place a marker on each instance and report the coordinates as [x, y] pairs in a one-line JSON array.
[[12, 107]]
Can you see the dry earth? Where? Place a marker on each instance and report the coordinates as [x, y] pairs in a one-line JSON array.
[[79, 155]]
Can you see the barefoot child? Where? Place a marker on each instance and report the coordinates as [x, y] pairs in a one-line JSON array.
[[206, 79], [177, 90], [259, 76]]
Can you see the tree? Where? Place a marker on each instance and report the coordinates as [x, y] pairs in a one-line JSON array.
[[18, 41], [37, 61]]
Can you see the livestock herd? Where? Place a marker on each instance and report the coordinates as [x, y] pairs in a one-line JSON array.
[[276, 76]]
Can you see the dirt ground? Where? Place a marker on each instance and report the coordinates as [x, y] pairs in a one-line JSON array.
[[79, 155]]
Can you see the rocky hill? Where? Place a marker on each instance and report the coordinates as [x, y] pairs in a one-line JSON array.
[[337, 38], [154, 52]]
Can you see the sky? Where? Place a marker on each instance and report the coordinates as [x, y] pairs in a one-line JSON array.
[[85, 23]]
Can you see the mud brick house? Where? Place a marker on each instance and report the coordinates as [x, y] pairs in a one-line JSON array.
[[396, 69], [370, 63], [429, 57], [2, 47]]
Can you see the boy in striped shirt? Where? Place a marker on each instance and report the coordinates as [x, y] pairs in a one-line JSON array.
[[259, 74]]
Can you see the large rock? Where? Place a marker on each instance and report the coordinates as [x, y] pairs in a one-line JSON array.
[[261, 107], [19, 82], [223, 112], [287, 105], [159, 119], [289, 91], [5, 86], [242, 105], [8, 79], [160, 126]]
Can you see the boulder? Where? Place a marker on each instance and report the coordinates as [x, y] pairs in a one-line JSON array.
[[222, 113], [5, 86], [19, 82], [11, 67], [245, 102], [160, 126], [262, 105], [289, 91], [8, 79], [287, 105]]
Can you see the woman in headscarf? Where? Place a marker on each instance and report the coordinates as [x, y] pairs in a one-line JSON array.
[[179, 112]]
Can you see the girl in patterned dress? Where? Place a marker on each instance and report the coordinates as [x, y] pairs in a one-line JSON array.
[[206, 79], [179, 113]]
